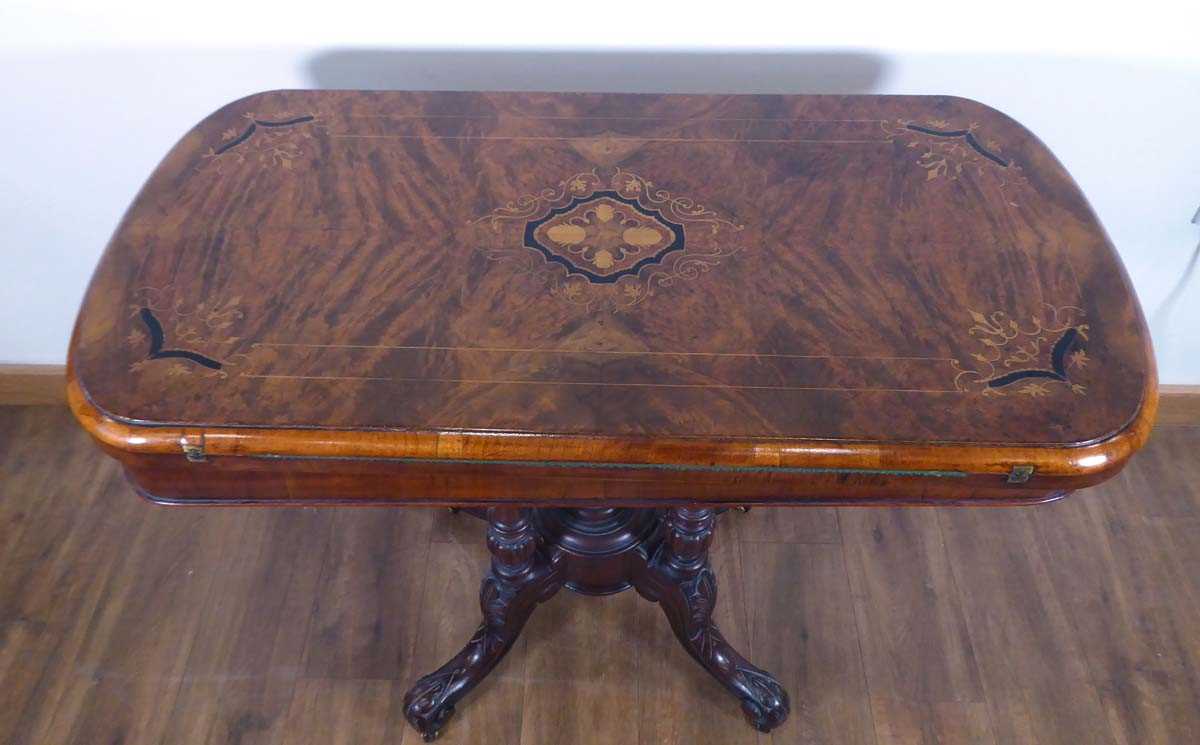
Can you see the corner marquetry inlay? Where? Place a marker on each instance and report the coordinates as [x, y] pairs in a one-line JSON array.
[[946, 152], [277, 141], [187, 337], [1034, 358]]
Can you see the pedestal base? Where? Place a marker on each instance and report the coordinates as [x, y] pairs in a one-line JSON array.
[[663, 554]]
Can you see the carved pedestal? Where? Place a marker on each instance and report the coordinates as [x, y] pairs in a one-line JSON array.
[[663, 554]]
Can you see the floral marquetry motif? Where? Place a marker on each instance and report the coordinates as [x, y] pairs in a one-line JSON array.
[[609, 241], [277, 141], [193, 337], [946, 152], [1034, 358]]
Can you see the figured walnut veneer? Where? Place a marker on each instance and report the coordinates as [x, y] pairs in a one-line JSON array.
[[611, 299]]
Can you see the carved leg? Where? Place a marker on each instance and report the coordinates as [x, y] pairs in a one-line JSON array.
[[679, 578], [521, 577]]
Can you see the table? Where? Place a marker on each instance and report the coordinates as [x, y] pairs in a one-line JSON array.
[[597, 321]]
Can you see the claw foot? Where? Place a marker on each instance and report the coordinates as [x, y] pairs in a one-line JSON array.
[[764, 701], [426, 706]]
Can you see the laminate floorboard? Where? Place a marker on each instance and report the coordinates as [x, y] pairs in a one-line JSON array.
[[125, 622]]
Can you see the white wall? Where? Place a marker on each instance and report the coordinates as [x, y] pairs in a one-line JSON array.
[[93, 94]]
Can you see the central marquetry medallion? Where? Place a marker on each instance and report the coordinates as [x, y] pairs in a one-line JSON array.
[[607, 239], [604, 237]]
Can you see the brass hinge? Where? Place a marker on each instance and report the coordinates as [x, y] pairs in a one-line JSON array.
[[193, 448], [1020, 474]]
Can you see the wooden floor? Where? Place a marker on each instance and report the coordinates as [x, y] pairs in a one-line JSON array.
[[122, 622]]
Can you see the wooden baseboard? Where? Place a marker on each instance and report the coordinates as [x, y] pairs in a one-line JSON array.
[[26, 385], [1178, 405]]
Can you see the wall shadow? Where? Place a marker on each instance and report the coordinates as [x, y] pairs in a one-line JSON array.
[[597, 71]]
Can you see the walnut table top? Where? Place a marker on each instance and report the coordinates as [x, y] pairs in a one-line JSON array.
[[622, 299]]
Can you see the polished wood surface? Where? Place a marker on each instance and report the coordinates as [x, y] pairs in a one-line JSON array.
[[1178, 405], [1058, 625], [804, 295]]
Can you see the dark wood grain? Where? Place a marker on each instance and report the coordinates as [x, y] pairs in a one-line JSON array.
[[340, 710], [369, 596], [581, 674], [1048, 694], [584, 297], [920, 665], [801, 625], [254, 631], [60, 549]]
